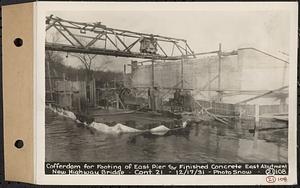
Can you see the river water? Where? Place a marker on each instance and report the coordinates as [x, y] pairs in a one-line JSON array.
[[68, 141]]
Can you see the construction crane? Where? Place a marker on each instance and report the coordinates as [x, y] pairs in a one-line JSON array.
[[98, 39]]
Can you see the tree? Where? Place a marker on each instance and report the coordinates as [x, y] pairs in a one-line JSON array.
[[87, 61], [53, 58]]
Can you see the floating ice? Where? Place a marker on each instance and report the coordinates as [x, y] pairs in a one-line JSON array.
[[184, 124], [118, 128], [62, 112], [70, 114], [160, 130]]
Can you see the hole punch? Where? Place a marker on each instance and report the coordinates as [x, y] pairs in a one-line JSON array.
[[19, 144], [18, 42]]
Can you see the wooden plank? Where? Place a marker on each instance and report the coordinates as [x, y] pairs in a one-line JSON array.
[[262, 95]]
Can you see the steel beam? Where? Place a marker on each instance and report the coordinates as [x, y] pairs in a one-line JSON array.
[[103, 51], [77, 32]]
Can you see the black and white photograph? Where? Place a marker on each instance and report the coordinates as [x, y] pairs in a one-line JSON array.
[[172, 86]]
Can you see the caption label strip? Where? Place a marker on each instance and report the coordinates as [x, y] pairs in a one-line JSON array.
[[81, 168]]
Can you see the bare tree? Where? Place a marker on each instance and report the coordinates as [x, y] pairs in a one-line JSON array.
[[87, 61], [52, 57]]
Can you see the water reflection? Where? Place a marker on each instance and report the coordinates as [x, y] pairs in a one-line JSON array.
[[205, 142]]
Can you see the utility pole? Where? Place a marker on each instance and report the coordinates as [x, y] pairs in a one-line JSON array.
[[219, 72], [152, 95], [209, 83]]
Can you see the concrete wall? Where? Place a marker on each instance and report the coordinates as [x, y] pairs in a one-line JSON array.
[[196, 73], [262, 72], [250, 70]]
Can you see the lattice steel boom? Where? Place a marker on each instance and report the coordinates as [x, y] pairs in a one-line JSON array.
[[96, 38]]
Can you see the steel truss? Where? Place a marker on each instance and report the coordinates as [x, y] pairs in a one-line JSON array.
[[96, 38]]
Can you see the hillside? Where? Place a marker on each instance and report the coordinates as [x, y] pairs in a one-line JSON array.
[[58, 69]]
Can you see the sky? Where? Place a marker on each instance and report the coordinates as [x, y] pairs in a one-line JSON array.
[[203, 30]]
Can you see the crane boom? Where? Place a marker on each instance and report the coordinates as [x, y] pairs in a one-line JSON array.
[[96, 38]]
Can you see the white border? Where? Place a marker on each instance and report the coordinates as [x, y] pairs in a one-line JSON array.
[[43, 7]]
